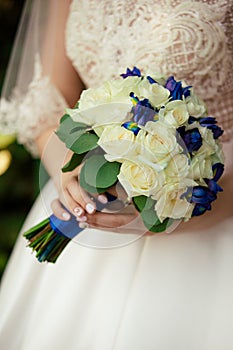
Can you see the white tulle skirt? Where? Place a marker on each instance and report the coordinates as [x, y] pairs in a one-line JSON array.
[[159, 292]]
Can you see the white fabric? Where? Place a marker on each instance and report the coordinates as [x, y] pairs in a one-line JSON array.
[[162, 292]]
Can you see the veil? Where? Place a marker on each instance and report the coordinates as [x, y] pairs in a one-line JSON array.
[[30, 100]]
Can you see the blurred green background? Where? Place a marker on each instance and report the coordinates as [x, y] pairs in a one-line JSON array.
[[19, 184]]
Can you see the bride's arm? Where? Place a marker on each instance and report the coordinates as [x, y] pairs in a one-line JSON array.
[[64, 77], [53, 152]]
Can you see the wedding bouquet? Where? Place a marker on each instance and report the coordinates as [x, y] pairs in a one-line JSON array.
[[153, 136]]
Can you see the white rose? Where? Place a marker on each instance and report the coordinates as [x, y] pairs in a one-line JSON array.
[[209, 144], [155, 93], [201, 167], [139, 179], [158, 142], [177, 168], [218, 156], [118, 143], [115, 90], [170, 205], [107, 113], [120, 89], [175, 113], [195, 106], [106, 104], [157, 76]]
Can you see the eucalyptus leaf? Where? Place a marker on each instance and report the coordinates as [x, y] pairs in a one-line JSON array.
[[101, 173], [85, 185], [73, 163], [149, 217], [152, 222], [143, 202], [78, 127], [84, 143], [66, 126], [73, 138], [107, 174], [161, 227], [64, 117]]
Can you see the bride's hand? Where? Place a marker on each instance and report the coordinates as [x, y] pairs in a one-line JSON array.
[[116, 218], [123, 221], [73, 197], [126, 220]]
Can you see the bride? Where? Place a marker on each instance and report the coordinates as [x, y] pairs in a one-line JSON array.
[[116, 287]]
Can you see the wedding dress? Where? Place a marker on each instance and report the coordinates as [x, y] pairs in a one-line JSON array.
[[120, 292]]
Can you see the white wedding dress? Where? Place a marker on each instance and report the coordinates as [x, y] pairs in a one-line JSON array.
[[162, 292]]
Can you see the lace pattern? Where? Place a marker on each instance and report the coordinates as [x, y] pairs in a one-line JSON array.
[[27, 115], [191, 39]]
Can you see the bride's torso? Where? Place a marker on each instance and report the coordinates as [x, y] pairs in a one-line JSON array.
[[192, 40]]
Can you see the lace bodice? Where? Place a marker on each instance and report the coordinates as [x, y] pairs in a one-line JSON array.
[[191, 39]]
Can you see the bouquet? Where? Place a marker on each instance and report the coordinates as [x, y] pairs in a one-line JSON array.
[[153, 136]]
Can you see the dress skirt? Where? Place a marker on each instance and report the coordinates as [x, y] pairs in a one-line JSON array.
[[162, 292]]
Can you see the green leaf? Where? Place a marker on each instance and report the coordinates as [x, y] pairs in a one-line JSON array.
[[107, 174], [143, 202], [86, 186], [76, 105], [152, 222], [84, 143], [67, 125], [72, 138], [163, 225], [149, 217], [64, 117], [73, 163], [101, 173]]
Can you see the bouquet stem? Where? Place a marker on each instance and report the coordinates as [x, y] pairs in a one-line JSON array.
[[49, 238]]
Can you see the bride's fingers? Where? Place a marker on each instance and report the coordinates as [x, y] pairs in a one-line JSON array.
[[120, 223], [107, 220], [68, 201], [59, 211], [81, 198]]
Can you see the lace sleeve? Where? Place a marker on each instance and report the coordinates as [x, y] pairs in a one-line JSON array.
[[40, 81], [29, 114]]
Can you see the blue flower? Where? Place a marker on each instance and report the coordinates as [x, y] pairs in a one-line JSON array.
[[209, 123], [200, 209], [192, 138], [142, 110], [218, 169], [129, 73], [176, 90], [132, 126], [203, 196], [151, 80]]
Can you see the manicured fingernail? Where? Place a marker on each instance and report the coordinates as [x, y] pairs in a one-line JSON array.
[[90, 208], [102, 199], [78, 211], [83, 225], [81, 219], [66, 216]]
